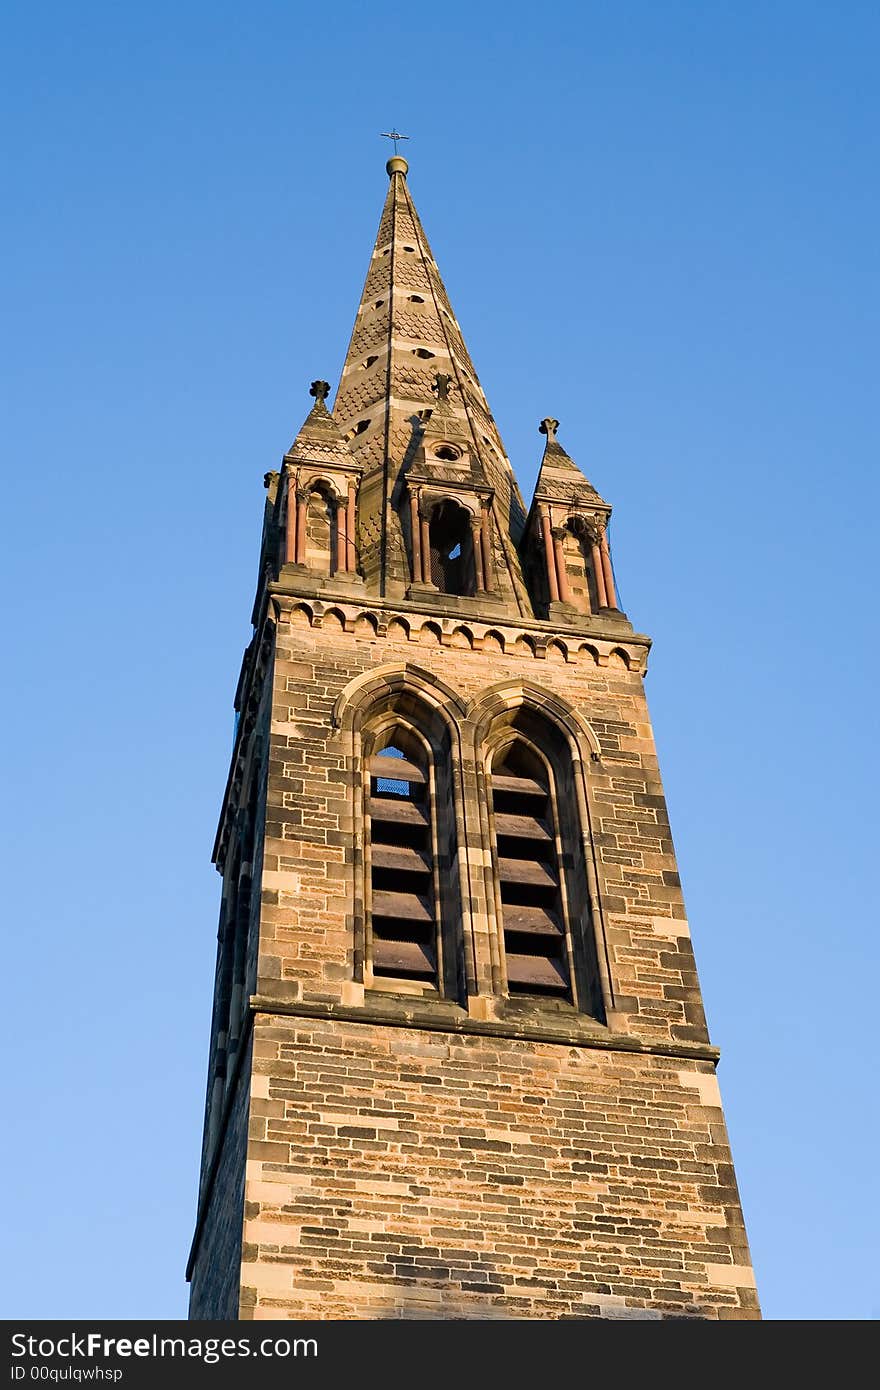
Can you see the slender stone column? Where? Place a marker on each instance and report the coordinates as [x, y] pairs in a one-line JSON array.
[[609, 575], [561, 572], [302, 503], [477, 549], [486, 546], [350, 553], [341, 520], [426, 549], [549, 556], [416, 532], [598, 574], [290, 529]]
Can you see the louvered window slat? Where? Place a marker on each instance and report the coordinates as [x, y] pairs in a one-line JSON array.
[[401, 907], [531, 921], [402, 858], [519, 786], [396, 769], [529, 871], [398, 812], [407, 959], [521, 827], [534, 973]]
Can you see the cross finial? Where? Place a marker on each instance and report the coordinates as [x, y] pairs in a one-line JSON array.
[[394, 135], [320, 390], [549, 427], [441, 386]]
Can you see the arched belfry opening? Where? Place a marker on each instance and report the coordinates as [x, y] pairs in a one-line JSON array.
[[411, 910], [451, 550], [545, 916], [533, 914], [576, 551], [402, 822], [322, 531]]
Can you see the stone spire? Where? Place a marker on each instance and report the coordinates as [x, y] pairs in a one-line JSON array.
[[320, 469], [567, 526], [405, 333], [320, 440], [559, 478]]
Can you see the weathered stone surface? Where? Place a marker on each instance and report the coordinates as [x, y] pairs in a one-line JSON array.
[[468, 1138], [479, 1178]]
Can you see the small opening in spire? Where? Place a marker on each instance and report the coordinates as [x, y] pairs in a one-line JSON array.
[[379, 303], [370, 360], [452, 568], [411, 249], [415, 299], [423, 353]]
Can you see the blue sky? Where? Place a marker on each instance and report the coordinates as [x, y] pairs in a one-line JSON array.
[[658, 223]]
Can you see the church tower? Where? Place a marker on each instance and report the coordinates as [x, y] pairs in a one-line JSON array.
[[459, 1066]]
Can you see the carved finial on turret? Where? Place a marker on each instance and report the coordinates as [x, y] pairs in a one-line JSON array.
[[549, 427], [320, 390], [441, 386]]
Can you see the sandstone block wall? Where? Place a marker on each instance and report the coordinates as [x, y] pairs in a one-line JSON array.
[[418, 1158], [400, 1173]]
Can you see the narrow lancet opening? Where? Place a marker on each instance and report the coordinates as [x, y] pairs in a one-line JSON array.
[[452, 565]]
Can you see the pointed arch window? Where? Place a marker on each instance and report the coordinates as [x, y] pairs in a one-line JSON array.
[[412, 904], [541, 887]]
